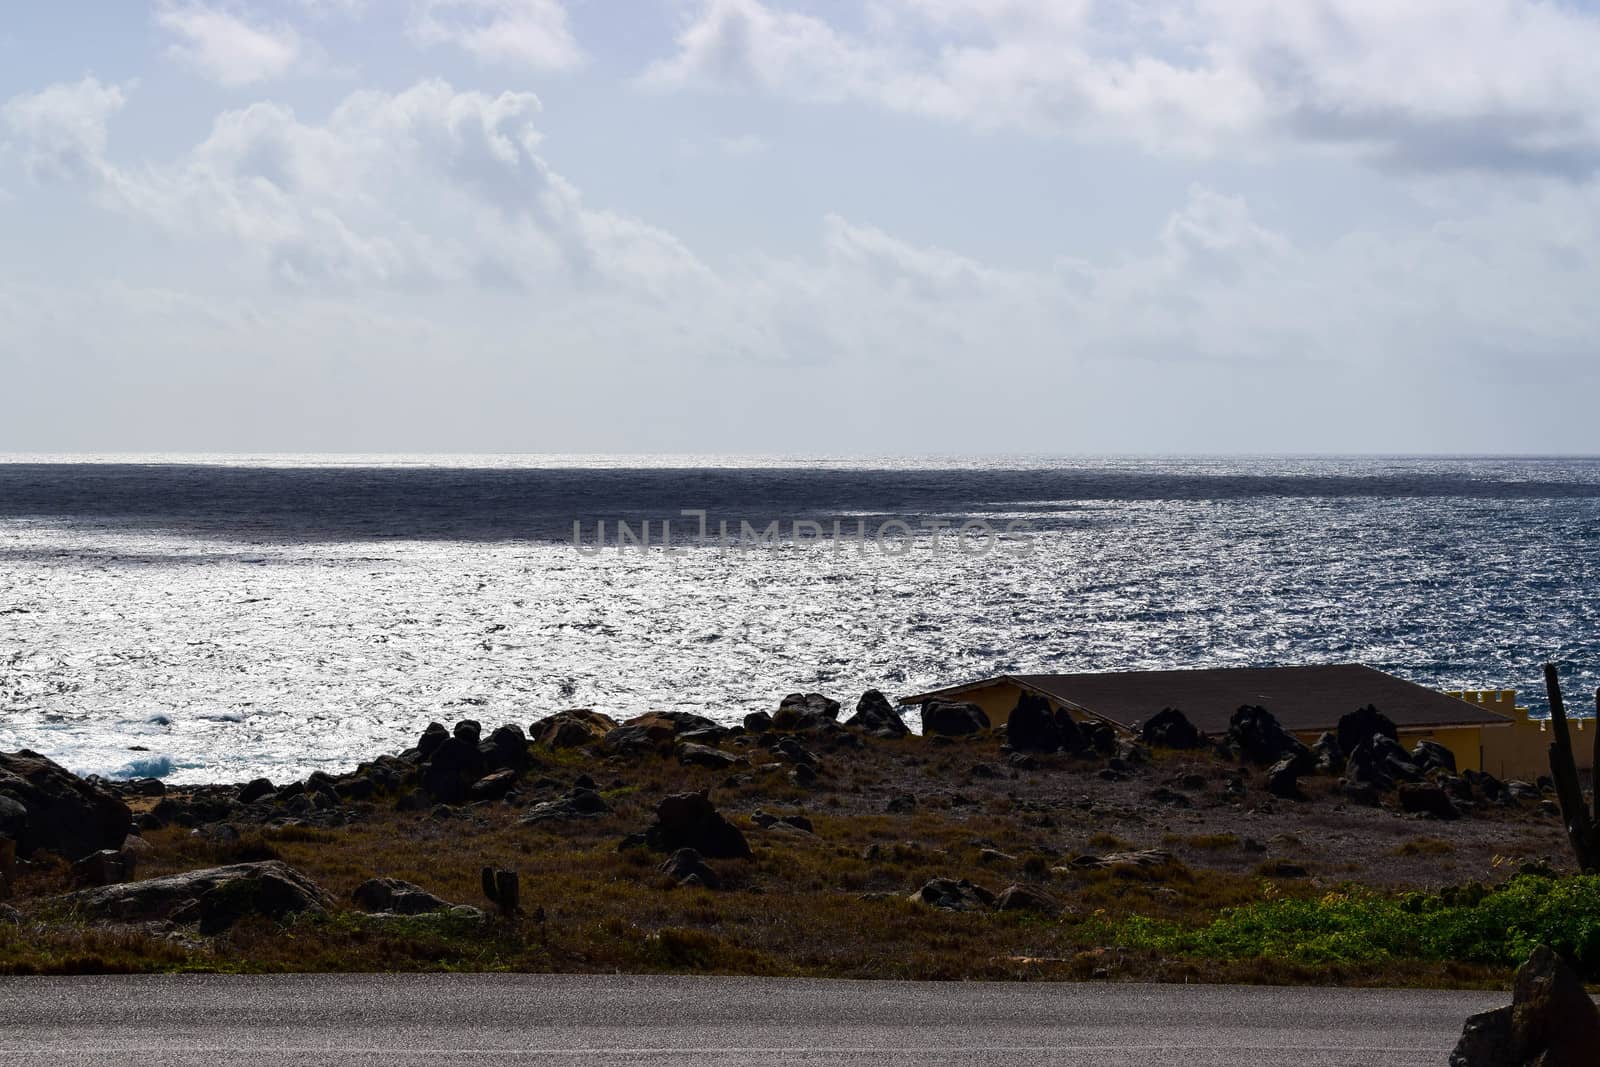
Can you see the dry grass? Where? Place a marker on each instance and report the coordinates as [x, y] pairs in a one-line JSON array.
[[829, 904]]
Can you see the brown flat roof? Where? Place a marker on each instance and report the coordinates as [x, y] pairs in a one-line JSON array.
[[1302, 698]]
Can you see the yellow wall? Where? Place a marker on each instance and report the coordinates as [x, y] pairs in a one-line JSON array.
[[1521, 749]]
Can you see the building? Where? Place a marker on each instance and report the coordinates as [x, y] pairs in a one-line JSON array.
[[1484, 728]]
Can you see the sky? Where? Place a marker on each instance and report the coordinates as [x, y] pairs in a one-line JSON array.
[[779, 226]]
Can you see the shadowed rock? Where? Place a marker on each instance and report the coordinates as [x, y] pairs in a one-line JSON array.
[[581, 803], [947, 894], [450, 771], [877, 716], [1283, 780], [805, 711], [1380, 762], [258, 789], [1358, 727], [1427, 799], [217, 896], [1329, 756], [61, 812], [396, 896], [1431, 755], [1032, 727], [950, 718], [1170, 728], [687, 867], [493, 786], [1260, 738], [688, 820], [1551, 1022], [105, 867], [507, 748]]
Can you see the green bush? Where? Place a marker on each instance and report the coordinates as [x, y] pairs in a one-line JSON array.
[[1469, 924]]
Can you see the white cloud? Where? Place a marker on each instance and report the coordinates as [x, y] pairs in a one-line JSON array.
[[60, 131], [226, 48], [530, 34], [421, 188], [1431, 84]]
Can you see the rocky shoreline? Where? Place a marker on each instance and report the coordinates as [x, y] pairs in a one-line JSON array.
[[671, 842]]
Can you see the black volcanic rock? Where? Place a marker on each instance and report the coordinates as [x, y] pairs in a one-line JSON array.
[[689, 820], [64, 813], [877, 716], [953, 718]]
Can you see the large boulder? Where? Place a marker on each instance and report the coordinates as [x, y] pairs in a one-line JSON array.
[[877, 716], [396, 897], [951, 718], [1552, 1022], [572, 729], [1032, 725], [689, 820], [805, 711], [449, 772], [506, 749], [1358, 727], [217, 896], [61, 812], [1170, 728], [432, 737], [1260, 738]]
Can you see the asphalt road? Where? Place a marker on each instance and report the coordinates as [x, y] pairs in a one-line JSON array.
[[438, 1020]]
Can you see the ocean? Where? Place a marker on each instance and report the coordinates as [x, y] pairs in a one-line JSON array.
[[215, 618]]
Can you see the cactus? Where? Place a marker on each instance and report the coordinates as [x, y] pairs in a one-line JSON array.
[[1583, 828], [503, 890]]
